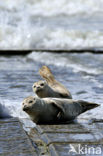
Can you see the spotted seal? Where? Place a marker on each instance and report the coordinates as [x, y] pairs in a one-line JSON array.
[[43, 90], [54, 110]]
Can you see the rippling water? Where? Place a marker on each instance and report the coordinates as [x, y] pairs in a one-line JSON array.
[[82, 74], [67, 24]]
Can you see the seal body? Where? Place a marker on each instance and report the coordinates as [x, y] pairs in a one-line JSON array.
[[46, 73], [54, 110], [43, 90]]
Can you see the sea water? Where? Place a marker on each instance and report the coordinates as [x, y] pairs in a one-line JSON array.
[[44, 24], [82, 74], [63, 24]]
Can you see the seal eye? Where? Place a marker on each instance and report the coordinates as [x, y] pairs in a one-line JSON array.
[[30, 101], [34, 86], [42, 84]]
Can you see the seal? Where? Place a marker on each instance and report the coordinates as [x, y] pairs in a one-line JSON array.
[[40, 111], [43, 90], [58, 88], [54, 110]]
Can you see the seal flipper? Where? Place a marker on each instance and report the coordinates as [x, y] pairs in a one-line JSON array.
[[87, 105], [59, 107], [46, 73]]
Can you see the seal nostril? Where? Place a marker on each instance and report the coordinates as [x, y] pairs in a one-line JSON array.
[[38, 87], [25, 108]]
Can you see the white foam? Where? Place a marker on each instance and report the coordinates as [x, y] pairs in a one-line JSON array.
[[50, 8], [14, 109], [4, 111], [72, 39], [11, 109], [51, 59], [24, 24], [94, 113]]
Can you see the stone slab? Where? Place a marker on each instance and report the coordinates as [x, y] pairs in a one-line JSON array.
[[68, 128], [13, 139], [59, 138], [56, 140], [76, 149], [49, 138]]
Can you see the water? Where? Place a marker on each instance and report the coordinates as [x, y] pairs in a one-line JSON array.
[[67, 24], [82, 74], [44, 24]]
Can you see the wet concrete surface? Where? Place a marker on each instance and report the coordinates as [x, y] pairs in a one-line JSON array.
[[13, 139], [77, 139], [71, 139]]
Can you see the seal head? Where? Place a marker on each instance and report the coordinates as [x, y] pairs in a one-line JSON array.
[[39, 86]]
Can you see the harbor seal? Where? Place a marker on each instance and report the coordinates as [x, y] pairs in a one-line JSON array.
[[43, 90], [54, 110], [58, 88]]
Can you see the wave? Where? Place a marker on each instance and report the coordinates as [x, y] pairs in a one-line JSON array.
[[47, 38], [51, 8], [4, 113], [70, 61], [41, 24], [11, 109]]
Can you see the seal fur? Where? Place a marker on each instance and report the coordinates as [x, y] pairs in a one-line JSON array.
[[43, 90], [54, 110], [46, 73]]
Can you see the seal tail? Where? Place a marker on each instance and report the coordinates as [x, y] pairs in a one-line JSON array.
[[87, 105]]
